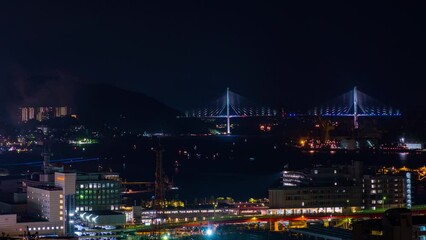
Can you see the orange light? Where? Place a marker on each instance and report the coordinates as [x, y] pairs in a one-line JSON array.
[[60, 178]]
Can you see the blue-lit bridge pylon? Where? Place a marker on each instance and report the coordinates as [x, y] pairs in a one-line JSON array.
[[231, 105], [354, 104]]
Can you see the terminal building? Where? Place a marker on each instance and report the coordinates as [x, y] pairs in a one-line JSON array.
[[337, 190]]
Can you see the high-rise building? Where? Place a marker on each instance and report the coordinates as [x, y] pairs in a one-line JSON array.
[[66, 180], [43, 113], [24, 114], [61, 111], [27, 113], [98, 191]]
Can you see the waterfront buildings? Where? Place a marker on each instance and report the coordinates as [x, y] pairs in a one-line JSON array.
[[338, 189]]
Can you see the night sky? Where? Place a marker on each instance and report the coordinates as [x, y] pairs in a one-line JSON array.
[[291, 53]]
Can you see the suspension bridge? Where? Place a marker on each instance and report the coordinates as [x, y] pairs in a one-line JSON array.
[[231, 105], [354, 104]]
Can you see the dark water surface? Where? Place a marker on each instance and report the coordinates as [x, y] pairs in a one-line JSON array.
[[202, 167]]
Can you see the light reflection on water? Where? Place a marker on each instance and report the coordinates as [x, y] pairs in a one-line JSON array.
[[241, 167]]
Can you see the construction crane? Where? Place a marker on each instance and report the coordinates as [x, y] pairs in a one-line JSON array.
[[159, 178]]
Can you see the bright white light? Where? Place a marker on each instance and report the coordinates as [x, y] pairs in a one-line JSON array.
[[209, 232]]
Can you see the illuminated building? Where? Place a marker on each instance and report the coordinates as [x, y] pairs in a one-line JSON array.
[[61, 111], [98, 191], [46, 202], [67, 181], [315, 200], [324, 190], [27, 113], [10, 224], [387, 191], [292, 178], [43, 113], [54, 200], [339, 189], [53, 203]]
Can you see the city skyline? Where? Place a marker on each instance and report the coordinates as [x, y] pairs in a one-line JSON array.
[[212, 120]]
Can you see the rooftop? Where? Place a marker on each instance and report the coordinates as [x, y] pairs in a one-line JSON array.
[[325, 232], [47, 187], [8, 177], [103, 213]]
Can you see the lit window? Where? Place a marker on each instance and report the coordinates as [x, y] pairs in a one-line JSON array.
[[335, 171], [61, 218], [61, 201]]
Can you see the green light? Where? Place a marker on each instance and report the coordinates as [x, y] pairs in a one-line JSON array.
[[81, 196]]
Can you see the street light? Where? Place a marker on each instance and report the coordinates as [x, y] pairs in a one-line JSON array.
[[383, 202]]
